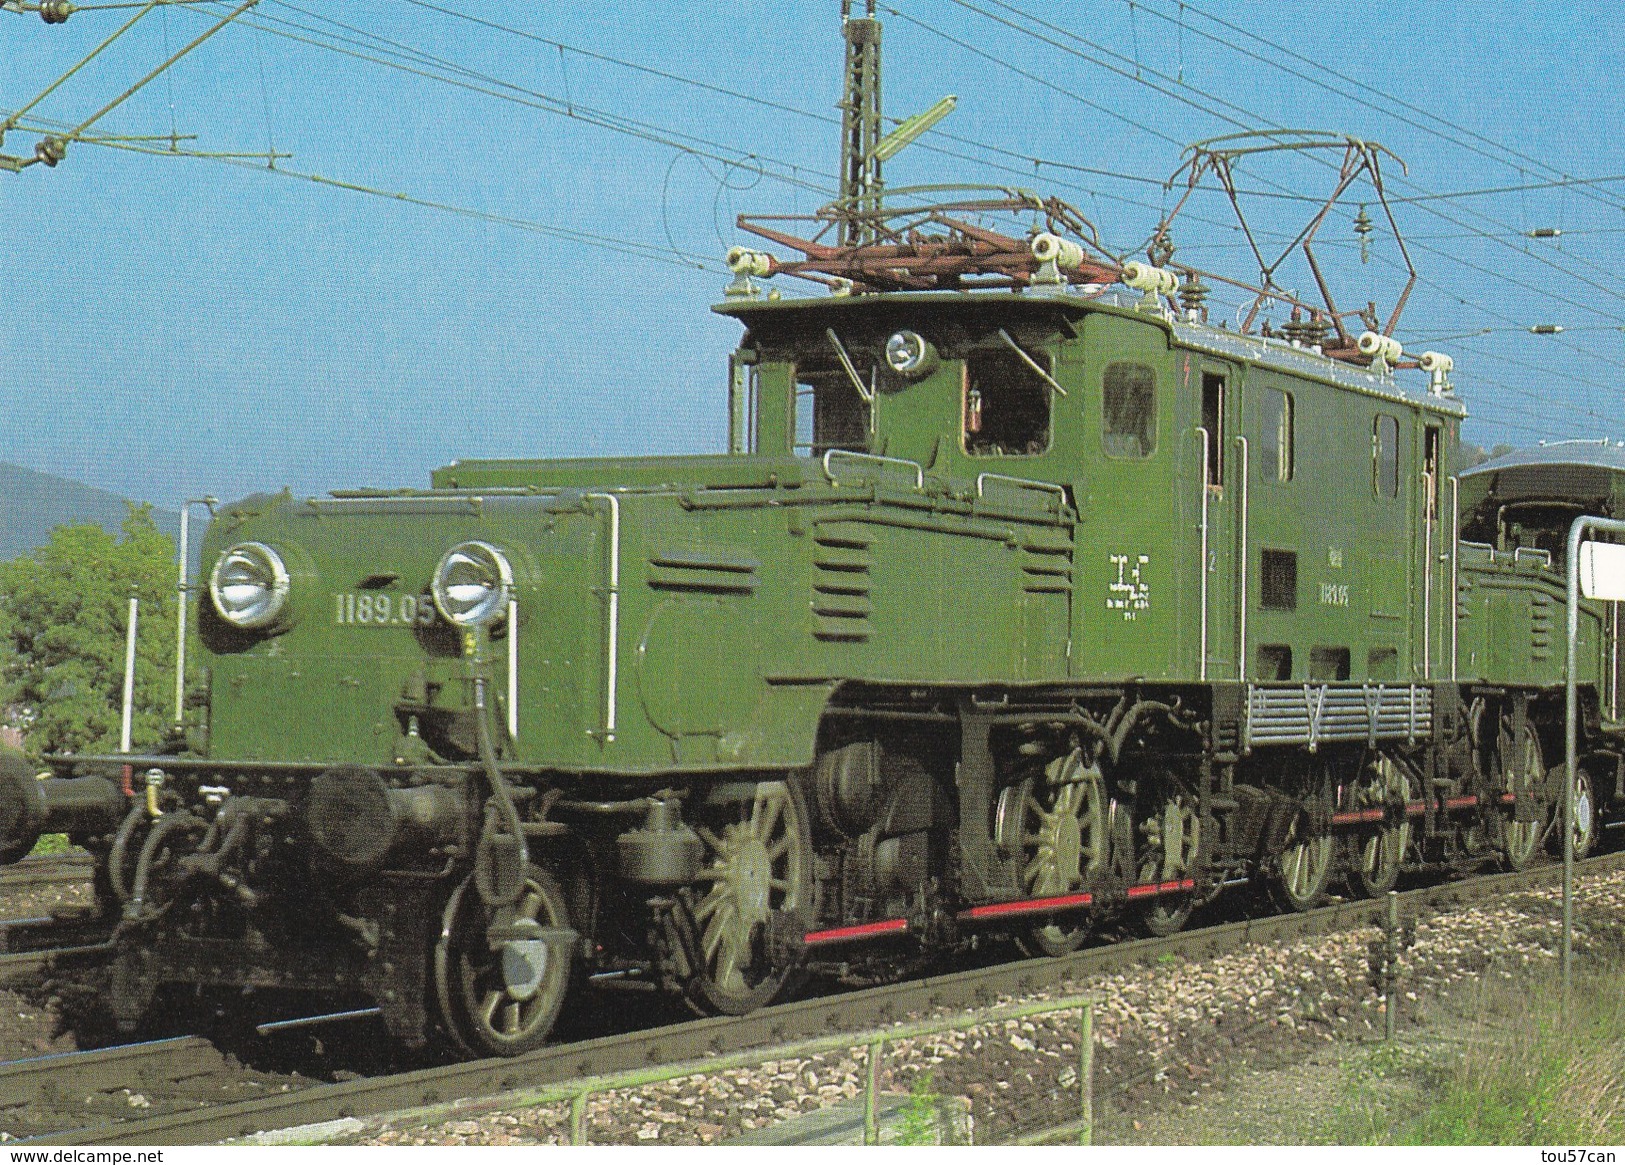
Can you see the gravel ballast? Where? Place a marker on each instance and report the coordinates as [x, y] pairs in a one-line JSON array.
[[1165, 1033]]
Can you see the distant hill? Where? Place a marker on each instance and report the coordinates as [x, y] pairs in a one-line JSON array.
[[32, 504]]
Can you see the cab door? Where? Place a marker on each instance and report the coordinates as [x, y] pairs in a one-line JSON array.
[[1216, 457], [1432, 536], [1133, 562]]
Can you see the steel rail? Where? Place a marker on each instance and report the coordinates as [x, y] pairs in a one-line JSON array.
[[52, 869], [853, 1011], [80, 1074]]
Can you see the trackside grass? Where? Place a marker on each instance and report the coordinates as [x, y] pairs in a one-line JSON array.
[[1521, 1074], [50, 843]]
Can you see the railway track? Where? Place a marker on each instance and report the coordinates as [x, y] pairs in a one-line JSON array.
[[48, 870], [108, 1085], [698, 1039], [27, 943]]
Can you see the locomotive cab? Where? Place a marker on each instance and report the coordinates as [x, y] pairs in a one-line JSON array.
[[947, 382], [1527, 499]]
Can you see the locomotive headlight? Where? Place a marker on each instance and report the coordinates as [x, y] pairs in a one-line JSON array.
[[249, 585], [910, 354], [472, 584]]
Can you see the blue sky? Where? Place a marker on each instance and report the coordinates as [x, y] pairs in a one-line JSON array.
[[175, 326]]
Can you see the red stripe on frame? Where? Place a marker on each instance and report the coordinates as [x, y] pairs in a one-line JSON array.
[[854, 933], [1153, 888], [1356, 816], [1027, 906]]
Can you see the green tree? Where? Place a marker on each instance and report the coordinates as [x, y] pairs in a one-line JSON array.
[[63, 611]]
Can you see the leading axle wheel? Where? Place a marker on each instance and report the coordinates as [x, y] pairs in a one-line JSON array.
[[759, 866], [500, 998]]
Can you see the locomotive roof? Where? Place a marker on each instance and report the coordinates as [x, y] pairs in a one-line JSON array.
[[1600, 454], [1266, 352], [1588, 474]]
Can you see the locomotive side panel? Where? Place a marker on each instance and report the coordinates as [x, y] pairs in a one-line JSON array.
[[1137, 554], [741, 618], [1330, 516]]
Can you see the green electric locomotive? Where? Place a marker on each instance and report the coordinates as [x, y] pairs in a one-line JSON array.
[[1026, 601]]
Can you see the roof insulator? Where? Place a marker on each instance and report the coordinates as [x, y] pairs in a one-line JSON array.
[[1193, 294], [1363, 228]]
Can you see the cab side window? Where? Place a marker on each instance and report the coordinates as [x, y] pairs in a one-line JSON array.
[[1128, 403], [1275, 452], [1385, 456]]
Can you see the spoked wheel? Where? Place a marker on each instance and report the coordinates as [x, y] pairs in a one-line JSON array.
[[1062, 823], [1377, 853], [1521, 768], [759, 865], [1170, 844], [1304, 867], [503, 1001], [1585, 818]]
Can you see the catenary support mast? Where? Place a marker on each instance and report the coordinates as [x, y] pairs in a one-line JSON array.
[[860, 122]]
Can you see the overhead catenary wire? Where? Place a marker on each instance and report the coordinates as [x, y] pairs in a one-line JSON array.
[[790, 173], [254, 162], [962, 44], [598, 117], [1518, 160], [1250, 119], [1036, 161], [1031, 160], [828, 119]]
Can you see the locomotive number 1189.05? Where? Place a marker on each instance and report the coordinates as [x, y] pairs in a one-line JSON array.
[[382, 610]]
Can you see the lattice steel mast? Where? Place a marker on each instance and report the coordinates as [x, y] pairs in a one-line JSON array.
[[860, 123]]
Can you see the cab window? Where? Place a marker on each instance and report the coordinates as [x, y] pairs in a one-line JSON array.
[[1128, 402], [1275, 435], [1385, 455], [829, 413], [1006, 405]]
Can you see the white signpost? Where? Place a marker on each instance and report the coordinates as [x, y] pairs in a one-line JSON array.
[[1596, 570], [1602, 571]]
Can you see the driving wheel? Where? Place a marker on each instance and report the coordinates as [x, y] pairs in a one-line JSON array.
[[758, 866]]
